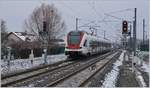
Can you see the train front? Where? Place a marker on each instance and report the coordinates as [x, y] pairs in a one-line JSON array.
[[73, 43]]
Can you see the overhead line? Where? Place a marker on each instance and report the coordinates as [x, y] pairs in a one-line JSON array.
[[113, 16], [129, 9]]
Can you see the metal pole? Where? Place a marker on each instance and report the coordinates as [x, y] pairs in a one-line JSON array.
[[104, 34], [146, 37], [134, 32], [76, 24], [125, 41], [95, 32], [143, 30], [134, 41], [9, 57], [130, 36]]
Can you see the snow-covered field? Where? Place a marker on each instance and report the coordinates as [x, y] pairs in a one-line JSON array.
[[140, 79], [146, 67], [22, 64], [142, 65], [141, 54], [111, 77], [145, 64]]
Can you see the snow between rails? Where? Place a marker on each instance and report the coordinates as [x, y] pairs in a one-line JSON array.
[[111, 77]]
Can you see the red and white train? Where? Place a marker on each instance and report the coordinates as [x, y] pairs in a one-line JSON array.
[[82, 43]]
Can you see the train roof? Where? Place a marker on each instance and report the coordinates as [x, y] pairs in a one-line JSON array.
[[99, 39], [93, 37]]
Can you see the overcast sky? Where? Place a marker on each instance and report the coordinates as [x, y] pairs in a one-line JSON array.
[[14, 12]]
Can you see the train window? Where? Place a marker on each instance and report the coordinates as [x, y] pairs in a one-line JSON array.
[[91, 43], [85, 43], [98, 43], [95, 44], [74, 38], [104, 44]]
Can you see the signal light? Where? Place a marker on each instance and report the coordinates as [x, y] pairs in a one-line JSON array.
[[124, 27], [44, 26]]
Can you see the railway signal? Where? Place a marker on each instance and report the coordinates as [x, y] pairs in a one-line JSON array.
[[44, 26], [44, 34], [124, 27]]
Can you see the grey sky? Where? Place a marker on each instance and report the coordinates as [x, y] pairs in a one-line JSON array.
[[16, 11]]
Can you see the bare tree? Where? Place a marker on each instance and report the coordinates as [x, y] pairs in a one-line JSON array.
[[3, 37], [48, 13], [3, 31]]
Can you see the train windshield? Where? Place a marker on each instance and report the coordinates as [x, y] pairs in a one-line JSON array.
[[74, 38]]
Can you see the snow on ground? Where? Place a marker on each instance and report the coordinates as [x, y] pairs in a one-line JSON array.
[[145, 64], [146, 67], [140, 64], [111, 77], [141, 54], [22, 64], [140, 79]]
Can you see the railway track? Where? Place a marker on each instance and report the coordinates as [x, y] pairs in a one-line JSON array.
[[20, 76], [4, 76], [78, 78], [48, 76], [100, 70]]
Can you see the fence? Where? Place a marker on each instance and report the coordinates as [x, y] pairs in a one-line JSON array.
[[24, 53]]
